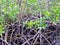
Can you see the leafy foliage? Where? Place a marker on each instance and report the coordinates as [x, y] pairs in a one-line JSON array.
[[33, 24], [51, 13], [8, 11], [10, 8], [1, 28]]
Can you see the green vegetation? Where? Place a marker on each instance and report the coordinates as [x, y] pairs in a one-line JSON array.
[[8, 11], [10, 8], [51, 12], [33, 24]]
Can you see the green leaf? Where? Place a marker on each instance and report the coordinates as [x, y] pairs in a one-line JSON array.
[[1, 28], [47, 13], [32, 1], [30, 24]]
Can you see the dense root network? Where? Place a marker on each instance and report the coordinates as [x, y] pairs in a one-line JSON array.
[[19, 34]]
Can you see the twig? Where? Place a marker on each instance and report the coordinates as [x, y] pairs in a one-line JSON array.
[[36, 39]]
